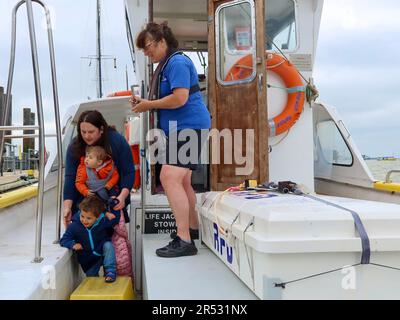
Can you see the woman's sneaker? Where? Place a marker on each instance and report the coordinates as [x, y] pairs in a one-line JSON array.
[[177, 248], [194, 234]]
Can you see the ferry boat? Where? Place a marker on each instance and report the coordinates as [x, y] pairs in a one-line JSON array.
[[299, 216]]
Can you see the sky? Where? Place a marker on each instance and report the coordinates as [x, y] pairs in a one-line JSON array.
[[356, 69], [74, 32]]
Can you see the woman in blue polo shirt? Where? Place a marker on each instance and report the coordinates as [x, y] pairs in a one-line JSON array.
[[175, 94]]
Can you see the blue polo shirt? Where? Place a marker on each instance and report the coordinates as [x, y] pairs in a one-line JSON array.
[[180, 72]]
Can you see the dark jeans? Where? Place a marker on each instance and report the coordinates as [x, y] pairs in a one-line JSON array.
[[108, 261], [106, 195]]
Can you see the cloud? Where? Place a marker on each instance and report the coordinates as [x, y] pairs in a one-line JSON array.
[[74, 35], [357, 70], [356, 67], [356, 15]]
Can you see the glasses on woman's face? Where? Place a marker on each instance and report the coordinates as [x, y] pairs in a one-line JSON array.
[[148, 45]]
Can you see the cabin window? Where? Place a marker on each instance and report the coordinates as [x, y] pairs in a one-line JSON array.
[[280, 24], [235, 41], [334, 148]]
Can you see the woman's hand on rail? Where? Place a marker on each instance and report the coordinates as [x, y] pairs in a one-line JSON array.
[[67, 212], [67, 215]]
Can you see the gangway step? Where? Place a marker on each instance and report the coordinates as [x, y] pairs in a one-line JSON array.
[[95, 288]]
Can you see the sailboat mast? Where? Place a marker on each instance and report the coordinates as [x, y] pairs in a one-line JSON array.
[[99, 71]]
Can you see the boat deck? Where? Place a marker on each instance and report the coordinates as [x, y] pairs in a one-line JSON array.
[[56, 276], [199, 277]]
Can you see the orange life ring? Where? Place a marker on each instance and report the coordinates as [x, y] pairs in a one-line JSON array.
[[120, 94], [243, 69]]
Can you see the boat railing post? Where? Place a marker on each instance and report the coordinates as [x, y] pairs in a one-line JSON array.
[[387, 180], [57, 119], [139, 220], [39, 106]]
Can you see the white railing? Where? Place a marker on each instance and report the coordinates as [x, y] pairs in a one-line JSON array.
[[39, 106]]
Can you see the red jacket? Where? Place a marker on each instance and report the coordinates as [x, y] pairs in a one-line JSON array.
[[102, 173]]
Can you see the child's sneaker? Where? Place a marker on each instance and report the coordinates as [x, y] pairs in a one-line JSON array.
[[177, 248], [110, 276]]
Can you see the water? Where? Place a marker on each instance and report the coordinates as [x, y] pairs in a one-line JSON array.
[[379, 168]]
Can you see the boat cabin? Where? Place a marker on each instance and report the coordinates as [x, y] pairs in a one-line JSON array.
[[255, 60]]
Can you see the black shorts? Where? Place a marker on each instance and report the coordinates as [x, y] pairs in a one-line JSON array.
[[184, 148]]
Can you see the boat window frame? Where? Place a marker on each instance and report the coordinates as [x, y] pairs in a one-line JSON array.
[[130, 37], [344, 140], [253, 51], [296, 20]]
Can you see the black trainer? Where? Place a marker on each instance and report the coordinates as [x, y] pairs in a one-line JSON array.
[[177, 248], [194, 234]]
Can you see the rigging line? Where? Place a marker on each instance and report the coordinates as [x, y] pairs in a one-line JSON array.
[[384, 266], [249, 260], [283, 138], [286, 58], [202, 60], [284, 284], [288, 90]]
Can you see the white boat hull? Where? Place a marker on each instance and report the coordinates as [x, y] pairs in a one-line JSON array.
[[303, 250]]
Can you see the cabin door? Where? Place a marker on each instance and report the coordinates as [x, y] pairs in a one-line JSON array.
[[237, 93]]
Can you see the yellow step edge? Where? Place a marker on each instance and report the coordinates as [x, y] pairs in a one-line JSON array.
[[387, 186], [95, 288], [16, 196]]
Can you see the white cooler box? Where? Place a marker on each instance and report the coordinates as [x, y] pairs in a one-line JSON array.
[[293, 247]]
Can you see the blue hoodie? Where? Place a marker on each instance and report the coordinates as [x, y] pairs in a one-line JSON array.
[[92, 239], [123, 160]]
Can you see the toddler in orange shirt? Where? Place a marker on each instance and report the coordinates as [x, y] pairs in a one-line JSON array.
[[97, 174]]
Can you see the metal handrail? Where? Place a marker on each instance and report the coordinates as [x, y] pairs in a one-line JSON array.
[[10, 128], [387, 180], [39, 106], [26, 135], [20, 136]]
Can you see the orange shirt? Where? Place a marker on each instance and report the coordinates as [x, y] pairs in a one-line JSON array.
[[101, 173]]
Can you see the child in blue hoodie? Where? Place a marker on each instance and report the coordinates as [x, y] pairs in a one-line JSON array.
[[89, 237]]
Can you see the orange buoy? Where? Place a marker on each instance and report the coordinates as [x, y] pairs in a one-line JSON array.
[[120, 94], [136, 162], [243, 69]]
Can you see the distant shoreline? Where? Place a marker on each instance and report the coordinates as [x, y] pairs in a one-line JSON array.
[[390, 158], [379, 168]]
